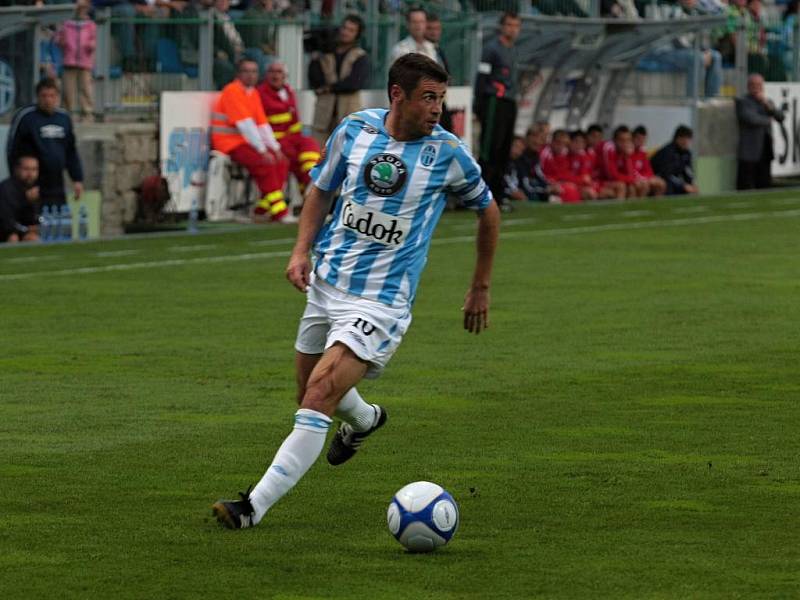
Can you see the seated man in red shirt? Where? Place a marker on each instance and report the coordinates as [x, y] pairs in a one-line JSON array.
[[583, 165], [641, 163], [616, 164], [555, 166], [280, 106]]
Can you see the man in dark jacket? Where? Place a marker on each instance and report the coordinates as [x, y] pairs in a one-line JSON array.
[[18, 196], [496, 104], [673, 163], [755, 113], [45, 131]]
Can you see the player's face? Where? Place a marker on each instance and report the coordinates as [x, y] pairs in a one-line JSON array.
[[248, 73], [48, 100], [510, 27], [594, 138], [348, 32], [517, 148], [577, 144], [276, 76], [417, 22], [639, 140], [27, 171], [559, 143], [684, 143], [421, 110], [624, 142], [433, 31]]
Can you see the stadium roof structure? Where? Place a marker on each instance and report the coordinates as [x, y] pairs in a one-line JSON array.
[[584, 50], [19, 18]]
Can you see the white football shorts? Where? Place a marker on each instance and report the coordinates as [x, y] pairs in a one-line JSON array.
[[372, 330]]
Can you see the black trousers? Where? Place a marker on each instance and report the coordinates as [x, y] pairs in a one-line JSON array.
[[755, 175], [497, 133]]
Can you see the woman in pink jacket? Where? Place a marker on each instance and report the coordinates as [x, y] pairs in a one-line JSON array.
[[78, 40]]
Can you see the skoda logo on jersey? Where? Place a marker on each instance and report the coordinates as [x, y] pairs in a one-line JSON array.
[[385, 174], [428, 155]]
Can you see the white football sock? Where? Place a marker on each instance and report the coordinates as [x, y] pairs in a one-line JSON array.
[[352, 409], [297, 453]]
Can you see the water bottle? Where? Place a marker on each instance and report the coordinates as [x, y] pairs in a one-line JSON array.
[[83, 222], [192, 227], [45, 224], [65, 223]]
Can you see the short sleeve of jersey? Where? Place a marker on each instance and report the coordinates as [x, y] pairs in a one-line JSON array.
[[331, 170], [465, 181]]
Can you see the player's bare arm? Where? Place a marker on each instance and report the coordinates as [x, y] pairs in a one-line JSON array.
[[315, 208], [476, 302]]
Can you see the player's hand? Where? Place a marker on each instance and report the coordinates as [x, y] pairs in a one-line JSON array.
[[298, 271], [476, 309], [77, 187], [268, 157], [32, 194], [280, 156]]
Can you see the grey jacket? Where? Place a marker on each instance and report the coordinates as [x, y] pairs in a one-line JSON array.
[[755, 128]]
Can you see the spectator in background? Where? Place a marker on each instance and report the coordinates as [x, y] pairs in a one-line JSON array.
[[619, 9], [616, 164], [755, 113], [787, 34], [260, 33], [78, 40], [416, 23], [680, 53], [45, 131], [523, 179], [19, 196], [556, 167], [337, 78], [280, 106], [123, 32], [757, 60], [433, 33], [239, 128], [228, 44], [673, 163], [562, 8], [641, 164], [583, 168], [726, 43], [495, 102]]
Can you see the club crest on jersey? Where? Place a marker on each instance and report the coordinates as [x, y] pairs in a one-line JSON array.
[[428, 155], [385, 174]]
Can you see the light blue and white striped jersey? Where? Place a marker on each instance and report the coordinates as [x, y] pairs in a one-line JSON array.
[[392, 195]]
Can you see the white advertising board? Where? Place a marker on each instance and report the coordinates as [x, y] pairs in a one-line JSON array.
[[184, 129], [786, 135]]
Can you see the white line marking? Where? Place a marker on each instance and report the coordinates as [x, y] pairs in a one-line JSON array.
[[452, 240], [113, 253], [194, 248], [27, 259], [578, 217], [637, 213], [690, 209], [275, 242], [506, 222]]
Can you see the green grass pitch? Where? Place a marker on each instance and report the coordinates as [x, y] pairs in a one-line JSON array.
[[627, 428]]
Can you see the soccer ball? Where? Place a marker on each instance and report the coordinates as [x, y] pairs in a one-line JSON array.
[[422, 516]]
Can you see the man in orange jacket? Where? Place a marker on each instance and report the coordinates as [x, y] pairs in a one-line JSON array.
[[239, 128], [280, 106]]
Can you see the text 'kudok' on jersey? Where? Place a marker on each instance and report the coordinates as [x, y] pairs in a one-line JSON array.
[[391, 197]]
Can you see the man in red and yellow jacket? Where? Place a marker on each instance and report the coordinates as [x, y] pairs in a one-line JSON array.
[[239, 128], [280, 106]]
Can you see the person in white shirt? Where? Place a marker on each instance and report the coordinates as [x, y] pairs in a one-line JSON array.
[[416, 23]]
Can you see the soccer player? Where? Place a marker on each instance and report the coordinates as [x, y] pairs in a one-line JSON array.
[[555, 165], [615, 163], [395, 169], [641, 163]]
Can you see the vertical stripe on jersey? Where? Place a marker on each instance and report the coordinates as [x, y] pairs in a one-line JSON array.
[[434, 192], [361, 194], [391, 205]]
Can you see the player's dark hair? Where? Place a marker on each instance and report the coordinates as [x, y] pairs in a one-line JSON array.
[[409, 69], [433, 18], [682, 131], [48, 83], [559, 132], [357, 21], [595, 127], [414, 9], [240, 63], [509, 14], [640, 130], [620, 130], [578, 133], [22, 157]]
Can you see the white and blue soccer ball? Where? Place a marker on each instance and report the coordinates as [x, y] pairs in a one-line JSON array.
[[422, 516]]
